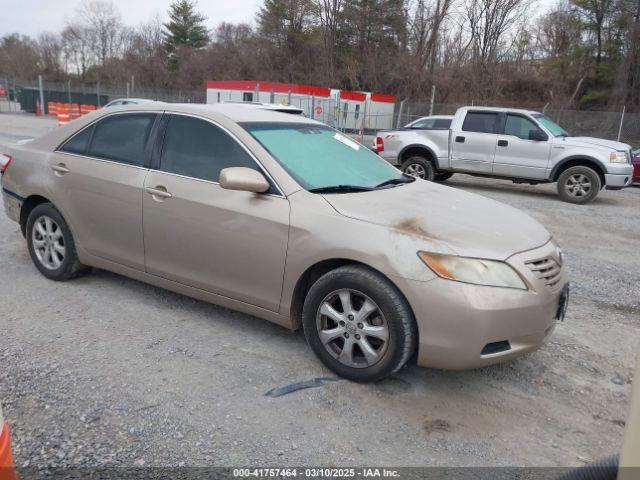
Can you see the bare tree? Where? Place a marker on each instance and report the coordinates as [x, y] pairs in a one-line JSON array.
[[328, 12], [488, 22], [102, 21], [425, 29]]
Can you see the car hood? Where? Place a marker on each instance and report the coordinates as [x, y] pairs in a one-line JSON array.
[[469, 224], [598, 142]]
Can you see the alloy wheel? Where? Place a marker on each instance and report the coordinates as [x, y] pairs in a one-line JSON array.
[[578, 185], [352, 328], [415, 170], [48, 242]]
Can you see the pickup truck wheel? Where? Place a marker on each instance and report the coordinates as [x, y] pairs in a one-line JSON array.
[[578, 185], [418, 167], [442, 176]]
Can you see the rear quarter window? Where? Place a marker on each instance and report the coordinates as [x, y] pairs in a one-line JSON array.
[[78, 143]]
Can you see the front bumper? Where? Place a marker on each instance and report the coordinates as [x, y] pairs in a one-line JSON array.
[[457, 321], [618, 176]]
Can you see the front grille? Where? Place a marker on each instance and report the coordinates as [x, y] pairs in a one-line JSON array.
[[547, 270]]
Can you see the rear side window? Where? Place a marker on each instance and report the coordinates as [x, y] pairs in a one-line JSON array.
[[197, 148], [78, 143], [482, 122], [519, 126], [122, 138]]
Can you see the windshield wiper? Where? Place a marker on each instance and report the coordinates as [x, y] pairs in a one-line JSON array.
[[396, 181], [340, 189]]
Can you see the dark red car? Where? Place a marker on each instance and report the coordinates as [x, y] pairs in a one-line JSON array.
[[636, 166]]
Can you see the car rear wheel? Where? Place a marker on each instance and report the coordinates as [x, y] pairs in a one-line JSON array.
[[359, 324], [418, 167], [579, 185], [51, 244]]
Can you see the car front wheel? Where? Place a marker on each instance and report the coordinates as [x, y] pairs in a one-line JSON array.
[[359, 324]]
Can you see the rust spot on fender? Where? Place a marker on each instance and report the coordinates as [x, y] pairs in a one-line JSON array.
[[411, 226]]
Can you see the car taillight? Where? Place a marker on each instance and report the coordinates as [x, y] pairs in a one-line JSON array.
[[379, 144], [5, 161]]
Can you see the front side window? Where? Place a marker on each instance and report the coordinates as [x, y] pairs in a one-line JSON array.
[[196, 148], [519, 126], [482, 122], [317, 156], [78, 143], [122, 138], [442, 124]]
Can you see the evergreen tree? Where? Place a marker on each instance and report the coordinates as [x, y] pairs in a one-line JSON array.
[[185, 28]]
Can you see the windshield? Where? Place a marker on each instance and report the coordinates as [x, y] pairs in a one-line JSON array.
[[318, 156], [555, 129]]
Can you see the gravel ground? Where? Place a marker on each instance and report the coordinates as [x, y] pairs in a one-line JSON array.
[[106, 371]]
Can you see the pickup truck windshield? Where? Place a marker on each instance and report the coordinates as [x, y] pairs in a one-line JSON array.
[[555, 129], [321, 158]]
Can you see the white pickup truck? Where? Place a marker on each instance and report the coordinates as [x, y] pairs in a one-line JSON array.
[[520, 145]]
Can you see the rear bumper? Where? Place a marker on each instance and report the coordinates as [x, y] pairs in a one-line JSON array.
[[12, 204]]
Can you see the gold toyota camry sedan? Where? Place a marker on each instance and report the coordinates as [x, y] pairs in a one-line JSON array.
[[284, 218]]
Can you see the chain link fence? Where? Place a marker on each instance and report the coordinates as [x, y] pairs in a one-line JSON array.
[[611, 125]]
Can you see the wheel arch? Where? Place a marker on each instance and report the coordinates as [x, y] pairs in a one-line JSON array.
[[578, 161], [317, 270], [419, 150], [29, 204]]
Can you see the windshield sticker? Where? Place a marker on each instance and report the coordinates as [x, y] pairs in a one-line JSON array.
[[347, 141]]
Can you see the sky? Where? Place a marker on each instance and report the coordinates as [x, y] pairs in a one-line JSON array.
[[30, 17]]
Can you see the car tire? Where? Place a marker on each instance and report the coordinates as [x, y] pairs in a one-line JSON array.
[[418, 167], [579, 185], [51, 244], [442, 176], [371, 339]]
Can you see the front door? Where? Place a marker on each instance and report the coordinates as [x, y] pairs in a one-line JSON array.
[[97, 178], [230, 243], [474, 145], [517, 153]]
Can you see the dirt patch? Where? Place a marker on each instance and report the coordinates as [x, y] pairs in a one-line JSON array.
[[437, 425], [411, 226]]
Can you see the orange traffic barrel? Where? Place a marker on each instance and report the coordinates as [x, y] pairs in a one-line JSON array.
[[84, 109], [63, 115], [52, 109], [75, 111]]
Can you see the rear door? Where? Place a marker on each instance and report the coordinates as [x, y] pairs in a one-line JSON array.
[[196, 233], [517, 153], [473, 145], [97, 178]]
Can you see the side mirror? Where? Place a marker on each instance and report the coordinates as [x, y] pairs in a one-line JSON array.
[[243, 179], [538, 135]]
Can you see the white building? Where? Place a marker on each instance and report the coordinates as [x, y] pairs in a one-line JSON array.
[[351, 111]]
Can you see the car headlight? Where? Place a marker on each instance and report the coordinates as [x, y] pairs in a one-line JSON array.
[[618, 157], [478, 271]]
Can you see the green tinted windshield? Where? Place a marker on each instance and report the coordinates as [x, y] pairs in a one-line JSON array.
[[318, 156], [555, 129]]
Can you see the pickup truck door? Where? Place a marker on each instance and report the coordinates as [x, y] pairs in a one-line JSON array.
[[473, 144], [522, 148]]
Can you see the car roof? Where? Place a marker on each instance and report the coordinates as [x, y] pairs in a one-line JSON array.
[[503, 109], [139, 100], [236, 112]]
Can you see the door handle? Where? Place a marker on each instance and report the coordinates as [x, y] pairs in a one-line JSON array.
[[460, 139], [159, 191], [60, 169], [503, 143]]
